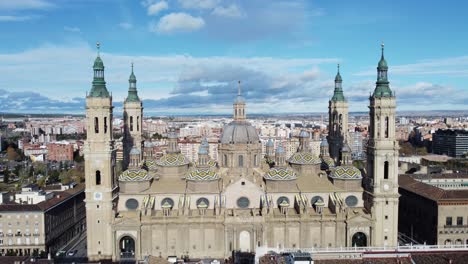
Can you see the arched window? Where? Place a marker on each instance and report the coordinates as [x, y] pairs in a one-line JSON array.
[[241, 161], [138, 123], [225, 160], [96, 125], [131, 123], [255, 160], [98, 177], [105, 124], [386, 170], [386, 127], [359, 240]]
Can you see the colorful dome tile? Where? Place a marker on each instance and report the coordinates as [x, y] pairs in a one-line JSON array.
[[173, 159], [328, 162], [210, 163], [135, 175], [346, 172], [280, 174], [304, 158], [151, 164], [202, 174]]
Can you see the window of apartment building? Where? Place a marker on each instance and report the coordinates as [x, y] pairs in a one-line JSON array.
[[36, 240], [459, 220], [10, 241], [1, 242], [448, 221]]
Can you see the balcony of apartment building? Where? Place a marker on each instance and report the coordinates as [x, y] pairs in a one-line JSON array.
[[451, 227]]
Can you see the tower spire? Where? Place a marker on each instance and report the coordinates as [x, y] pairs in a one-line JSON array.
[[382, 88], [239, 105], [99, 84], [338, 92], [132, 89]]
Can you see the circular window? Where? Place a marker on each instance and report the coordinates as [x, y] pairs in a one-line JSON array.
[[283, 199], [167, 203], [203, 203], [316, 199], [243, 202], [131, 204], [351, 201]]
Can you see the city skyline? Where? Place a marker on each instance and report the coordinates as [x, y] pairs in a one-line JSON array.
[[189, 55]]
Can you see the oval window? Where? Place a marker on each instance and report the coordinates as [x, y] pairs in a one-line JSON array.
[[351, 201], [316, 199], [283, 200], [131, 204], [243, 202]]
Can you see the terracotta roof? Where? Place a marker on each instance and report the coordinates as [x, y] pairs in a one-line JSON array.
[[59, 197], [410, 184]]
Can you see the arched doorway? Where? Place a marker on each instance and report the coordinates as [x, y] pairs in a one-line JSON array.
[[244, 241], [359, 240], [127, 247]]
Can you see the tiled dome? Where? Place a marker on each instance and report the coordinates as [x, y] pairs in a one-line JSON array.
[[135, 175], [280, 174], [172, 159], [346, 172], [304, 158], [202, 174]]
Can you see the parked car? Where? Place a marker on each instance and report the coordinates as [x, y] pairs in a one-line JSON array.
[[72, 253]]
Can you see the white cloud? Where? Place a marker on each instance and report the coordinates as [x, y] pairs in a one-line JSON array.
[[72, 29], [198, 4], [25, 4], [126, 25], [155, 8], [232, 11], [15, 18], [178, 22]]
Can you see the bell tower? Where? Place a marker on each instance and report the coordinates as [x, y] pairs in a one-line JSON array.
[[133, 115], [382, 161], [99, 167], [239, 105], [338, 119]]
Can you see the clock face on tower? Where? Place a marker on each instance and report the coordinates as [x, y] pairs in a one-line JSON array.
[[97, 196]]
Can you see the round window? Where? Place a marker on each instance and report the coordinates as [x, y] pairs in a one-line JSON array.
[[203, 203], [167, 203], [243, 202], [131, 204], [316, 199], [283, 200], [351, 201]]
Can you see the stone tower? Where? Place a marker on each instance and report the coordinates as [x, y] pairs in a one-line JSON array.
[[99, 167], [133, 115], [382, 161], [338, 119]]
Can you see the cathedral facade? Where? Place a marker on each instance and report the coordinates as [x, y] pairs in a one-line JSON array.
[[209, 208]]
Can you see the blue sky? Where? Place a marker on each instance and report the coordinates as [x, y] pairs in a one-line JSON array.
[[189, 54]]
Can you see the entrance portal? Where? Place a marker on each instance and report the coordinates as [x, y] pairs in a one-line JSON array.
[[127, 247], [244, 241], [359, 240]]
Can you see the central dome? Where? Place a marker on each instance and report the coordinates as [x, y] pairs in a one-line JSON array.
[[239, 132]]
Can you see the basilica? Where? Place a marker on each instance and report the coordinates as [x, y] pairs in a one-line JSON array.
[[171, 206]]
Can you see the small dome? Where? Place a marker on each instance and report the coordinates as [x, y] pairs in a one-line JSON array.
[[270, 143], [324, 143], [134, 151], [98, 64], [172, 159], [383, 64], [345, 148], [280, 174], [205, 143], [280, 150], [346, 173], [328, 163], [135, 175], [202, 150], [202, 174], [239, 133], [150, 164], [239, 100], [338, 77], [304, 134], [304, 158]]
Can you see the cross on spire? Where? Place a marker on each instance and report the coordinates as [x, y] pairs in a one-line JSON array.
[[383, 46], [98, 46]]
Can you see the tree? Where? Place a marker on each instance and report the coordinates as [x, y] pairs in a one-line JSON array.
[[54, 177], [12, 154]]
